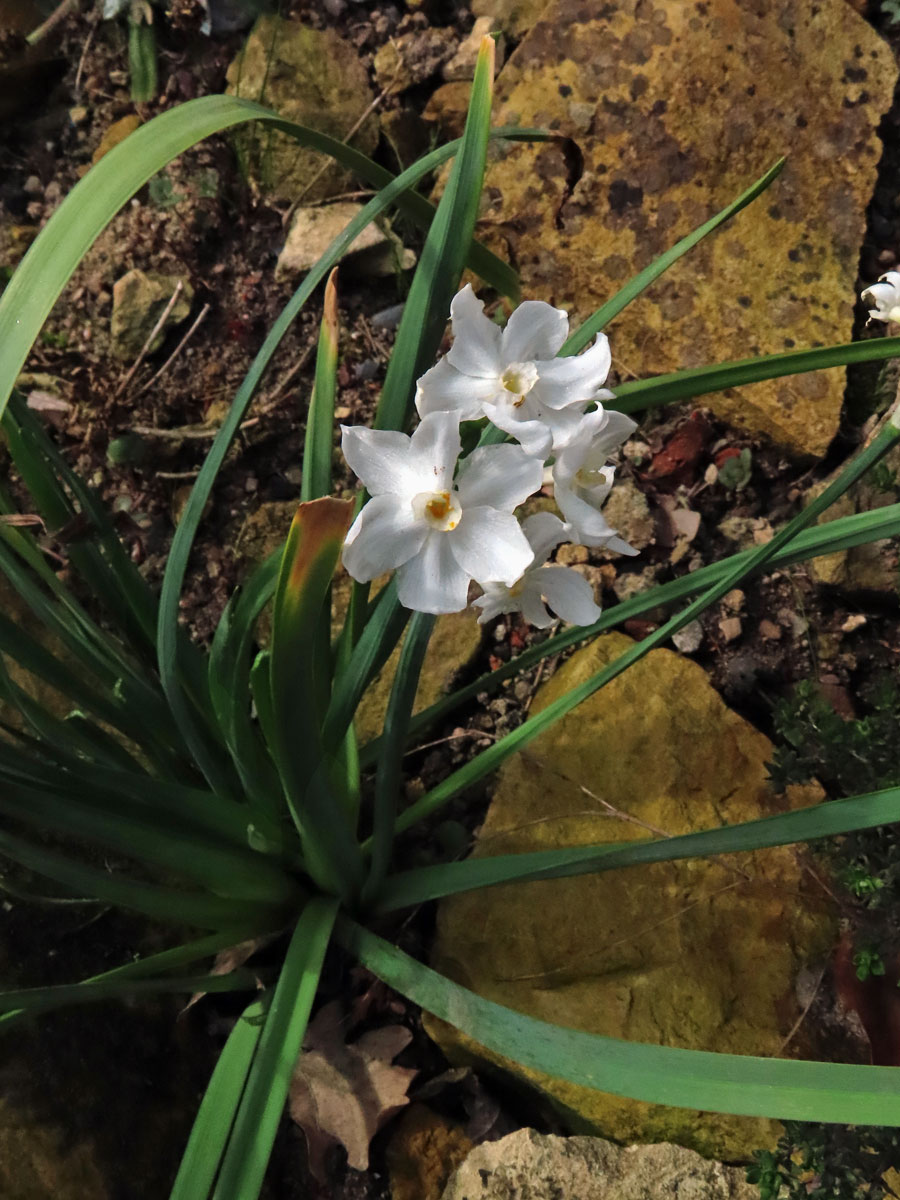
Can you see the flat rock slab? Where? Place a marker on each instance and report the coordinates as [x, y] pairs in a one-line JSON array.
[[700, 953], [676, 108], [531, 1166]]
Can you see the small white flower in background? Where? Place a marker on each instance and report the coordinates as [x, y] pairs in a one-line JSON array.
[[568, 594], [582, 479], [437, 532], [512, 376], [886, 297]]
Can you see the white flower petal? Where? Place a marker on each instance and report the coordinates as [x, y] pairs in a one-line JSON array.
[[433, 580], [535, 438], [476, 339], [620, 546], [616, 429], [589, 526], [433, 450], [490, 545], [532, 606], [383, 536], [381, 459], [498, 476], [535, 330], [495, 600], [545, 531], [568, 594], [576, 379], [444, 389], [565, 425]]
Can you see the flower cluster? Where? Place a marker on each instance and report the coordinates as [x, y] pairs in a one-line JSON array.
[[442, 522]]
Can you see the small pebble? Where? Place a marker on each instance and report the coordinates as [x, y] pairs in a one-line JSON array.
[[33, 186], [769, 630], [730, 628], [388, 318], [733, 600], [366, 370], [689, 639], [854, 621], [569, 555]]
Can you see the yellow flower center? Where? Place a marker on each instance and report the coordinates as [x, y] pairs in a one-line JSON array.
[[438, 509], [518, 379], [590, 477]]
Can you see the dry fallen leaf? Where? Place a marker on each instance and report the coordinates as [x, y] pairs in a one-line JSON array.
[[346, 1093], [229, 960]]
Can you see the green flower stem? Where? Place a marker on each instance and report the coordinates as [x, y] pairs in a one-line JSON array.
[[396, 724]]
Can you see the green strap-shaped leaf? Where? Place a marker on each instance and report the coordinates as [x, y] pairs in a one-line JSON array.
[[156, 964], [229, 686], [310, 557], [822, 820], [637, 395], [141, 59], [204, 911], [64, 995], [443, 257], [214, 1121], [390, 767], [316, 480], [601, 318], [380, 635], [729, 1083], [842, 534], [165, 843], [256, 1123]]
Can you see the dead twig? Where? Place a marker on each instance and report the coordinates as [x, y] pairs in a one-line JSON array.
[[58, 14], [623, 941], [187, 433], [88, 41], [792, 1032], [453, 737], [145, 349], [366, 113], [204, 312]]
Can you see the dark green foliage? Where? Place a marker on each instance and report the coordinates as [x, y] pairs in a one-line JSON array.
[[847, 757], [827, 1162], [842, 1162]]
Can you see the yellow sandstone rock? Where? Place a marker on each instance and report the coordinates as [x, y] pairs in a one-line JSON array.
[[676, 108], [313, 77], [117, 132], [700, 953]]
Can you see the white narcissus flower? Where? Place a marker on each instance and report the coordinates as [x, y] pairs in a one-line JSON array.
[[582, 479], [512, 376], [886, 297], [437, 532], [569, 594]]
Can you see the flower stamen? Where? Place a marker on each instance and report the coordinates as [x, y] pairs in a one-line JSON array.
[[518, 379], [440, 510]]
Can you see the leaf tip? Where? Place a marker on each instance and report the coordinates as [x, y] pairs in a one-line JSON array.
[[330, 312]]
